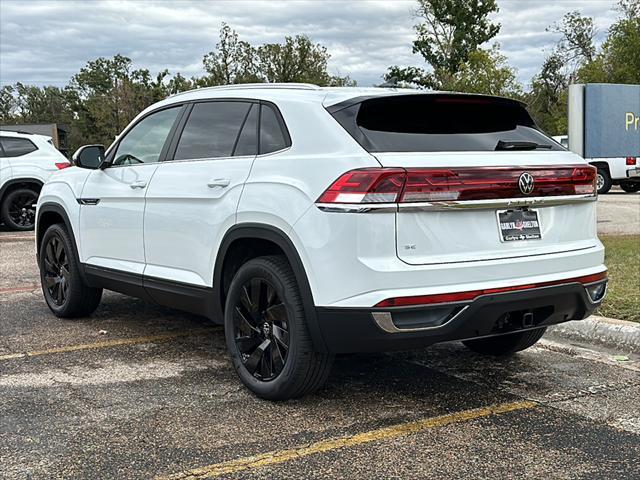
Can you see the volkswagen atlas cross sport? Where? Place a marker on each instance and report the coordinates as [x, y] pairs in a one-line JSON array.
[[318, 221]]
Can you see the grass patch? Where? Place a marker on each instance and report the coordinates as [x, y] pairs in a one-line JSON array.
[[622, 258]]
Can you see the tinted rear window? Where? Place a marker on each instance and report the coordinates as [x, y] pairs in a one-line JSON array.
[[436, 123], [16, 147]]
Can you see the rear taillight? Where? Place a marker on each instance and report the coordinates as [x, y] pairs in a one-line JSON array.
[[631, 161], [62, 165], [369, 185], [397, 185]]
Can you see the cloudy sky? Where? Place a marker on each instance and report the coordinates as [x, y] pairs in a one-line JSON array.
[[46, 42]]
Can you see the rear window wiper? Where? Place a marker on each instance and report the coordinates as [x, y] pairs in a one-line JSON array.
[[502, 145]]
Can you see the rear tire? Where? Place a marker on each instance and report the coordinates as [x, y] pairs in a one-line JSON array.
[[18, 212], [266, 332], [502, 345], [603, 181], [630, 187], [65, 292]]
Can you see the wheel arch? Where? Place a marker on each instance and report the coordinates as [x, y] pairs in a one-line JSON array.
[[48, 214], [262, 239], [18, 183], [602, 165]]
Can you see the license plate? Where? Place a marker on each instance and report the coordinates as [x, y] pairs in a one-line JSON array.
[[518, 225]]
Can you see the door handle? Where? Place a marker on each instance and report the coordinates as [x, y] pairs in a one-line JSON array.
[[138, 184], [219, 182]]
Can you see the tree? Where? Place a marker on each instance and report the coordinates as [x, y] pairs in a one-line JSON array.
[[548, 96], [232, 61], [298, 59], [619, 57], [449, 32], [487, 72], [576, 45]]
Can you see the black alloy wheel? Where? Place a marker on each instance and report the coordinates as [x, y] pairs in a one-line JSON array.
[[19, 212], [56, 270], [261, 329]]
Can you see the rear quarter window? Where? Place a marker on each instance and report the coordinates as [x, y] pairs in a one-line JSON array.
[[438, 123], [17, 147], [273, 133]]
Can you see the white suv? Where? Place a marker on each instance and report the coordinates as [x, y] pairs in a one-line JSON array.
[[316, 221], [26, 162]]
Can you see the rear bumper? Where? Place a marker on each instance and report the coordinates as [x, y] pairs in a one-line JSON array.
[[633, 174], [350, 330]]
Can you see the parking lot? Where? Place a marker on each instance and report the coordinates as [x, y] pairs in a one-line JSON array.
[[139, 391]]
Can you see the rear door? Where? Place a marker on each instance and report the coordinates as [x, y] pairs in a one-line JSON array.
[[193, 197], [466, 158]]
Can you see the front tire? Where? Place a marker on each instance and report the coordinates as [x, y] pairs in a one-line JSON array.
[[630, 187], [64, 290], [508, 344], [18, 210], [266, 332]]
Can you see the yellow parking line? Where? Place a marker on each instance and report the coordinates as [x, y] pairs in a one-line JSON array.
[[387, 433], [109, 343]]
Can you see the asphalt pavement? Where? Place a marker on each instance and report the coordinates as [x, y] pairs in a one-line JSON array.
[[139, 391]]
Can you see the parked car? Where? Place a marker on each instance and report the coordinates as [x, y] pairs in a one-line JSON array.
[[318, 221], [26, 162], [622, 171]]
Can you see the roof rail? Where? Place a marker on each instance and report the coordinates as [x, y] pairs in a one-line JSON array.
[[21, 132], [248, 86]]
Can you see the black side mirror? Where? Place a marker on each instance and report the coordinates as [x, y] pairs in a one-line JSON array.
[[89, 156]]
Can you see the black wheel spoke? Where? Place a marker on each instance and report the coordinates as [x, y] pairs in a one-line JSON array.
[[245, 324], [254, 360], [56, 275], [276, 312], [248, 344], [261, 329], [255, 292], [281, 336]]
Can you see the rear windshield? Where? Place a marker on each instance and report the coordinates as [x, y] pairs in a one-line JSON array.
[[438, 123]]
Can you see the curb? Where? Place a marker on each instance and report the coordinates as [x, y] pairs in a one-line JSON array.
[[619, 335]]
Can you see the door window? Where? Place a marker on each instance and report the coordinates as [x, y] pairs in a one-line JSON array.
[[16, 147], [144, 142], [211, 130]]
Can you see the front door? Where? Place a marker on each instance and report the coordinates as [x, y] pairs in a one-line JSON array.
[[113, 199]]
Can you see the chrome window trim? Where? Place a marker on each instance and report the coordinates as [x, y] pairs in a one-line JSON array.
[[439, 206]]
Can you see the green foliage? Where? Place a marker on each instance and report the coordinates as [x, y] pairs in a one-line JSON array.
[[107, 93], [448, 33], [576, 59], [619, 58], [486, 72]]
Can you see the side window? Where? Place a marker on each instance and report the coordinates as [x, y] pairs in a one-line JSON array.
[[144, 142], [272, 135], [211, 130], [16, 147], [247, 143]]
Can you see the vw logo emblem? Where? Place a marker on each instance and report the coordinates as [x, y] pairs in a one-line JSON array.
[[525, 182]]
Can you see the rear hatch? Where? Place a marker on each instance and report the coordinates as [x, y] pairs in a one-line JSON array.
[[475, 178]]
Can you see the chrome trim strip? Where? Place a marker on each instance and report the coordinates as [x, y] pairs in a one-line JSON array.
[[456, 205], [358, 208], [384, 320]]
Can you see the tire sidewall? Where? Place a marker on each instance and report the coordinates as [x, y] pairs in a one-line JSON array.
[[59, 232], [606, 186], [5, 209], [260, 269]]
